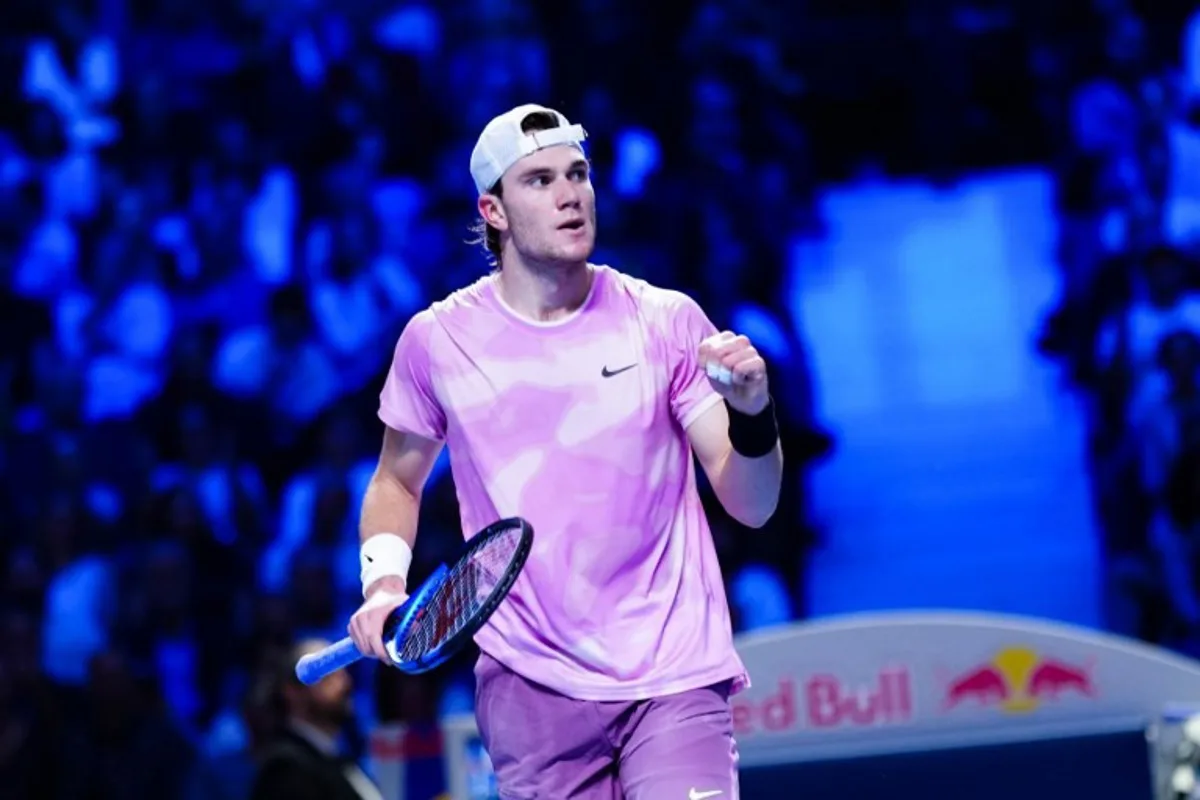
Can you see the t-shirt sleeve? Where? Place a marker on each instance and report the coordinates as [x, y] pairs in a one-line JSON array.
[[691, 393], [408, 402]]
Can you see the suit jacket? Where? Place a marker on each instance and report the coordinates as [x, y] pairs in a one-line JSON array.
[[293, 768]]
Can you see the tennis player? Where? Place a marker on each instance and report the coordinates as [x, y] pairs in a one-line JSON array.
[[575, 396]]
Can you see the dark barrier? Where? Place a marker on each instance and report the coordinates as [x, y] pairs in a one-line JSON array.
[[1111, 766]]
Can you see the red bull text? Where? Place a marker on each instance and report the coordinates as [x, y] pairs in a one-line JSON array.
[[824, 702]]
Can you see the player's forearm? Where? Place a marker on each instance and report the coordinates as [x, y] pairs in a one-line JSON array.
[[388, 509], [748, 488]]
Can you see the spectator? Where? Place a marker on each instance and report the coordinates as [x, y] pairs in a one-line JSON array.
[[304, 760], [1163, 301], [281, 365], [120, 329], [320, 506], [360, 297], [232, 496]]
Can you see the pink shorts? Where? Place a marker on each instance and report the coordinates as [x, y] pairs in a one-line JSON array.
[[546, 746]]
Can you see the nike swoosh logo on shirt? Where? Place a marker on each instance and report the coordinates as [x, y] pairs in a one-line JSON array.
[[695, 795], [608, 373]]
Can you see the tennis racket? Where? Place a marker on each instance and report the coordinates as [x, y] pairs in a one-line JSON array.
[[446, 610]]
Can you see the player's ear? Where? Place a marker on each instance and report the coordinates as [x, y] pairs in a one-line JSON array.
[[491, 209]]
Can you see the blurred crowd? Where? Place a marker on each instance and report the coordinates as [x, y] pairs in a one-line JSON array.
[[1127, 329], [215, 218]]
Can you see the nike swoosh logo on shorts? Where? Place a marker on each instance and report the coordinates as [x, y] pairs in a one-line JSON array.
[[608, 373], [693, 794]]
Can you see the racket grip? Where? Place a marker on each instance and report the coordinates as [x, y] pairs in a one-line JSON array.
[[315, 666]]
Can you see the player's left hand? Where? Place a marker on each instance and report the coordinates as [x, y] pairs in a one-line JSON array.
[[736, 371]]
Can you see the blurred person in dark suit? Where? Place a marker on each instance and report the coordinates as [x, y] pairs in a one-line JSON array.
[[305, 761]]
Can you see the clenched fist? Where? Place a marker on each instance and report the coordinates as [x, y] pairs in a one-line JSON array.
[[736, 371]]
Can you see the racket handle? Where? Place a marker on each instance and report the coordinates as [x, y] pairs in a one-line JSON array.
[[315, 666]]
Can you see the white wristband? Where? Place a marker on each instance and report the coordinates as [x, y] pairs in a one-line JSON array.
[[383, 555]]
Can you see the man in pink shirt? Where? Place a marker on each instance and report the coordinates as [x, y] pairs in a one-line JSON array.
[[575, 396]]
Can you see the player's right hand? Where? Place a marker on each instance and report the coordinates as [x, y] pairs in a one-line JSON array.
[[366, 626]]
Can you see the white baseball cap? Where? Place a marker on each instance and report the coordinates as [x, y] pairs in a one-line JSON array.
[[503, 143]]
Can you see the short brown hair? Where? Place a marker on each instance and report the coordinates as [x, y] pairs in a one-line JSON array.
[[485, 235]]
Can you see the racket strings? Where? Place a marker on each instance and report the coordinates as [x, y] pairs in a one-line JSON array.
[[461, 595]]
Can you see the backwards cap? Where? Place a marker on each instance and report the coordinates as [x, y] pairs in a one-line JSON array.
[[503, 143]]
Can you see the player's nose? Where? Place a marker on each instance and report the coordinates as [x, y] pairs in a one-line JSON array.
[[568, 195]]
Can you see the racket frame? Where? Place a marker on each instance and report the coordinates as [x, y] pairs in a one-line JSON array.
[[399, 625]]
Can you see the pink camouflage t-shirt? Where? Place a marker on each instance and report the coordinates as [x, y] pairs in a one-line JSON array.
[[578, 425]]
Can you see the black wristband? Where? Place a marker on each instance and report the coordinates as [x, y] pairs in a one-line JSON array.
[[753, 436]]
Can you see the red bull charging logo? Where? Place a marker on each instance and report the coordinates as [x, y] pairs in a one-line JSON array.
[[1018, 680]]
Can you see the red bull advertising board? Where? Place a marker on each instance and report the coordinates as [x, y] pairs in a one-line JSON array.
[[899, 682]]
